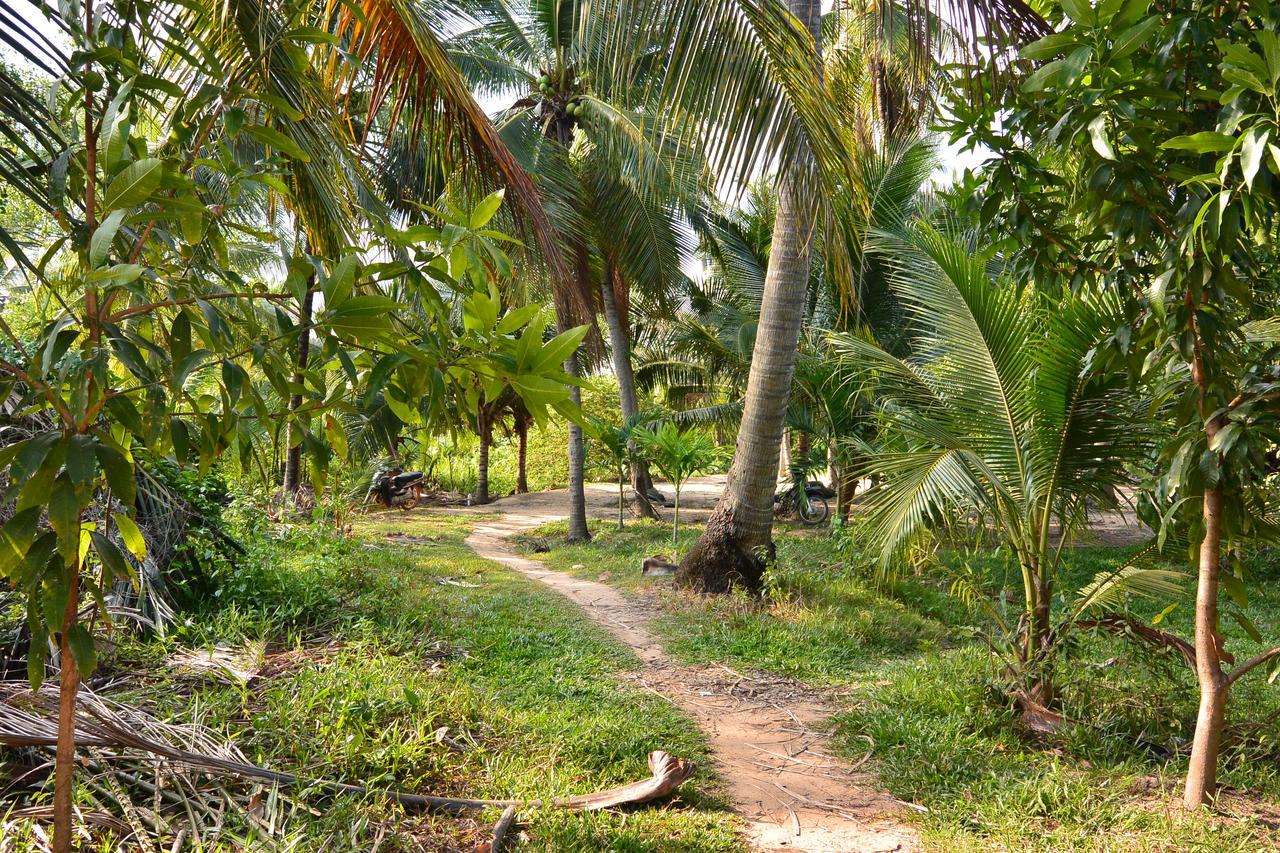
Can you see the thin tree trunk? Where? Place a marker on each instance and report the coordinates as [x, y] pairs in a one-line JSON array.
[[675, 526], [737, 541], [1202, 772], [622, 497], [482, 465], [293, 457], [784, 456], [64, 760], [613, 293], [522, 455], [846, 490], [65, 755]]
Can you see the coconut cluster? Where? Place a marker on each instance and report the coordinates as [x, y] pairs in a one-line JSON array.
[[565, 97]]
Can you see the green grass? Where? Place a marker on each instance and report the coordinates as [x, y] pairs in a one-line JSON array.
[[821, 624], [378, 650], [926, 697]]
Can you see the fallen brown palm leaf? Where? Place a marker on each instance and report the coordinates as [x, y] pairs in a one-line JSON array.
[[29, 719]]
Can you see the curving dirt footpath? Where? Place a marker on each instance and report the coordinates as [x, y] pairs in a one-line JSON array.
[[793, 794]]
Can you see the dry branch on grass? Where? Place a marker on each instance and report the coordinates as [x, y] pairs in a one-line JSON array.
[[124, 733]]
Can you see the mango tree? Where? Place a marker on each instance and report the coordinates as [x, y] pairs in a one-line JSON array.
[[1142, 153]]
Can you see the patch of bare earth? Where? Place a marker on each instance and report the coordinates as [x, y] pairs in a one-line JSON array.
[[778, 769]]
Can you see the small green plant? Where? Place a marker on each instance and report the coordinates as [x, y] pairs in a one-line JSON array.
[[620, 442], [679, 454]]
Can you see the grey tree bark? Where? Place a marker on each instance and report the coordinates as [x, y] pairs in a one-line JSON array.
[[578, 531], [522, 454], [293, 454], [612, 292], [737, 542], [485, 431], [577, 450]]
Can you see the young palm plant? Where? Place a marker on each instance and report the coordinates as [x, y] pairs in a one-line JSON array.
[[679, 454], [1000, 411], [619, 440]]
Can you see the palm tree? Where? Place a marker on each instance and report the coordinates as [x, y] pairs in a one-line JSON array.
[[615, 185], [736, 542], [999, 411], [619, 441], [679, 454]]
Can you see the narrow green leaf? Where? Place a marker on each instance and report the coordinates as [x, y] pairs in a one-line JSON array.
[[135, 184], [1098, 136], [119, 471], [81, 464], [112, 559], [1204, 142], [103, 236], [1134, 37], [1080, 11], [486, 209], [273, 138], [1255, 145]]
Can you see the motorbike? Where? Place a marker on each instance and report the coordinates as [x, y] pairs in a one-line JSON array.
[[396, 488], [809, 503]]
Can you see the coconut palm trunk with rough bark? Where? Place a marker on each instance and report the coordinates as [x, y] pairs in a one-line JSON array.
[[613, 293], [737, 543], [522, 454], [577, 447], [578, 531], [484, 430], [293, 452]]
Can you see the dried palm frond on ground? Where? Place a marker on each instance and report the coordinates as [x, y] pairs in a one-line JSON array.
[[181, 768]]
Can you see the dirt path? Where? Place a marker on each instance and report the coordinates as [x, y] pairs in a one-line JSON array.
[[792, 792]]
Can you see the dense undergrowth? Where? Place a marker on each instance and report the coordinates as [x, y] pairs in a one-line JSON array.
[[408, 663], [919, 688]]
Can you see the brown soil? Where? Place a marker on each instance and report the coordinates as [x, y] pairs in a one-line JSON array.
[[781, 777]]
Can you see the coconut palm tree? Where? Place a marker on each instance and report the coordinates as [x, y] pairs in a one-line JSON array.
[[679, 454], [999, 411], [616, 187]]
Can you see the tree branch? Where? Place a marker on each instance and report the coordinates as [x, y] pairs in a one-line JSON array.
[[1251, 663]]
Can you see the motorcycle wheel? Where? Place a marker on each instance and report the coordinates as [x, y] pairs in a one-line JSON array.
[[410, 501], [814, 510]]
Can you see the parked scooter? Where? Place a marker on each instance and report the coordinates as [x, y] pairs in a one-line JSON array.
[[808, 504], [394, 487]]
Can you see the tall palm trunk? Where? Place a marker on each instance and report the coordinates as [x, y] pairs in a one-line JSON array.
[[522, 454], [737, 540], [484, 430], [293, 452], [613, 295], [578, 531], [784, 455]]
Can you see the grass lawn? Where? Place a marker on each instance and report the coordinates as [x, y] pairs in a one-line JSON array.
[[915, 682], [375, 646]]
